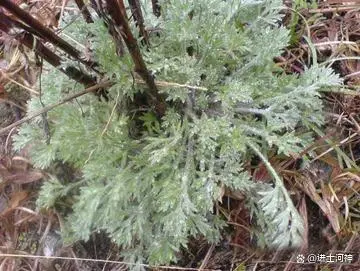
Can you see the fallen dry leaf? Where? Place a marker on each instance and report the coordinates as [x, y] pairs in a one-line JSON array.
[[16, 199], [26, 177]]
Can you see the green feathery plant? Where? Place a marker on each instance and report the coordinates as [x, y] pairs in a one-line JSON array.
[[151, 182], [297, 6]]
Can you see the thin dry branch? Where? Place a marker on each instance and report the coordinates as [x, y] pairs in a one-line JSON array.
[[207, 258], [333, 9], [52, 106], [53, 59], [139, 20], [160, 83], [98, 6], [7, 77], [119, 17], [156, 8], [46, 33], [84, 11], [3, 255], [85, 91]]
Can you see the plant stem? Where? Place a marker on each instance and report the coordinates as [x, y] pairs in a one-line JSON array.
[[52, 106], [278, 182], [46, 33], [156, 8], [84, 11], [53, 59], [139, 20], [118, 15]]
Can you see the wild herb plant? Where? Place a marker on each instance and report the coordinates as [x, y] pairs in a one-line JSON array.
[[149, 181]]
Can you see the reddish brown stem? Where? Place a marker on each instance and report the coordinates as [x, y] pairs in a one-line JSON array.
[[99, 9], [118, 15], [139, 20], [156, 8], [53, 59], [28, 40], [45, 32], [49, 107], [84, 11]]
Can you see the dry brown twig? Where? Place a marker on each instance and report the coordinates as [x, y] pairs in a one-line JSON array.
[[101, 261], [332, 9], [207, 257], [85, 91], [42, 31], [52, 106], [35, 92]]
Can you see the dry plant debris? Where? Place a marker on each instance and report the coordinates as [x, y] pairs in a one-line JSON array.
[[335, 31]]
